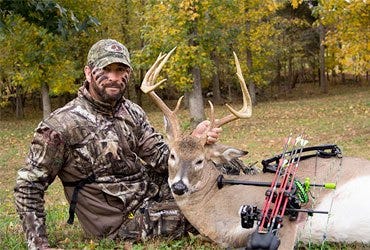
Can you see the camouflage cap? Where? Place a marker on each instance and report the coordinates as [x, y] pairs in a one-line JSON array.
[[108, 51]]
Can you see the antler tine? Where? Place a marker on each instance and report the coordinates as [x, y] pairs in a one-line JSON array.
[[212, 118], [152, 74], [148, 85], [246, 110]]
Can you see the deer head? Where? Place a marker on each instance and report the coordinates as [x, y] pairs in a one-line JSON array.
[[189, 154]]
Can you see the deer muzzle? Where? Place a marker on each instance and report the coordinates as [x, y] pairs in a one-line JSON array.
[[179, 188]]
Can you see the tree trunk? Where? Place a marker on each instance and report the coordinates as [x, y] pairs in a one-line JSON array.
[[46, 106], [323, 81], [19, 112], [196, 104], [327, 76], [229, 93], [215, 79], [138, 92], [278, 79], [314, 71], [186, 100], [251, 85], [342, 78], [142, 72], [290, 75]]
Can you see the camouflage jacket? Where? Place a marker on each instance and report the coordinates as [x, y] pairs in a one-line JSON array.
[[118, 145]]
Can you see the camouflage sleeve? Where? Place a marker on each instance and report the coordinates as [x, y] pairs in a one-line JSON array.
[[152, 147], [42, 165]]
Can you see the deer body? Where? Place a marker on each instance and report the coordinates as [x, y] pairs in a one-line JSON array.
[[215, 212]]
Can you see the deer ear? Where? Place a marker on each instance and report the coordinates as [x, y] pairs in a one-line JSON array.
[[168, 128], [219, 153], [231, 153]]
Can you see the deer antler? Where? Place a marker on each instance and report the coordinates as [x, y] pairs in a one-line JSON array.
[[244, 112], [148, 85]]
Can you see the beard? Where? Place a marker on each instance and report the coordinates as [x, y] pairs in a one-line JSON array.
[[107, 96]]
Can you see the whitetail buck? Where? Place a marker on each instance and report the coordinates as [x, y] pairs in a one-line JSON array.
[[215, 212]]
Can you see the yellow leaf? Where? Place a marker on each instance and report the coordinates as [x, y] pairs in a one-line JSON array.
[[296, 3]]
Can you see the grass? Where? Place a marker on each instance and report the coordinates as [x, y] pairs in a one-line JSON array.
[[341, 117]]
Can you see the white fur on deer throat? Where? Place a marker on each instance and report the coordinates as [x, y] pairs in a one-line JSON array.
[[337, 224]]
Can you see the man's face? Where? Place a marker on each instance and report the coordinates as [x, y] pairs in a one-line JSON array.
[[108, 84]]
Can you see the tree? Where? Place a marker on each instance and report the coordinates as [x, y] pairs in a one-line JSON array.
[[172, 24], [297, 43], [257, 41], [348, 34], [47, 14], [23, 45], [54, 24]]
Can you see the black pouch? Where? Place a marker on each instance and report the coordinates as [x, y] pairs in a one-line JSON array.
[[156, 219]]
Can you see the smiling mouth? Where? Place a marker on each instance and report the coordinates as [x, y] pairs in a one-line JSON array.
[[113, 87]]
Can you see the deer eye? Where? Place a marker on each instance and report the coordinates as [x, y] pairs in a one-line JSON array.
[[172, 157], [199, 162]]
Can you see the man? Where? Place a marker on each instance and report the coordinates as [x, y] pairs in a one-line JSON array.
[[111, 161]]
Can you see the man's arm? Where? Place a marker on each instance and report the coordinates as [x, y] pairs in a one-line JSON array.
[[42, 165], [152, 147]]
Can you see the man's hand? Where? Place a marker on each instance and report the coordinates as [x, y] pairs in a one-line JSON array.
[[204, 130]]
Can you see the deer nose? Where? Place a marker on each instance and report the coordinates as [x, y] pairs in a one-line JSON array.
[[179, 188]]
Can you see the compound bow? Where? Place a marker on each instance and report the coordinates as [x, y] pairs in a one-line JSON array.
[[286, 194]]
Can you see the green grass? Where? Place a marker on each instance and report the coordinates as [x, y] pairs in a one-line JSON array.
[[341, 117]]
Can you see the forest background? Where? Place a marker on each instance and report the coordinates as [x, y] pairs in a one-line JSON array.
[[305, 63], [280, 44]]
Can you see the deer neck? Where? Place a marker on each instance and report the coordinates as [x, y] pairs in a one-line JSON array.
[[201, 191], [208, 183]]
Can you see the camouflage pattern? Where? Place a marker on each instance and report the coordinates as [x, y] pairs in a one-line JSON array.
[[156, 219], [108, 51], [236, 166], [118, 145]]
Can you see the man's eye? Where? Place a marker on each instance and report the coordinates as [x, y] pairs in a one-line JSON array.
[[124, 69]]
